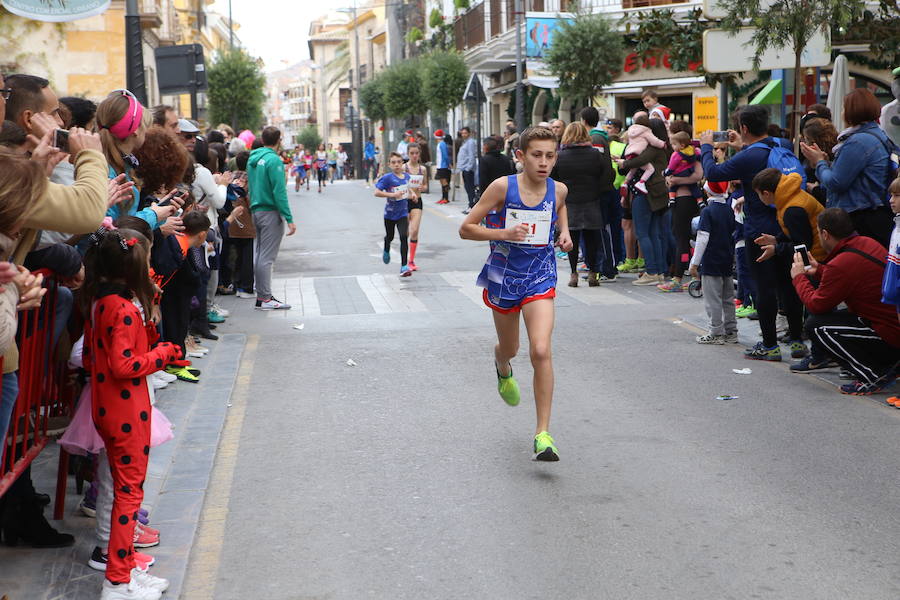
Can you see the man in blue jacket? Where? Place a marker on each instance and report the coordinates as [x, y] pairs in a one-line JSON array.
[[773, 275], [466, 162], [369, 159]]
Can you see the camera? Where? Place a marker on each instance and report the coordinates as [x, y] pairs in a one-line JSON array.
[[720, 136]]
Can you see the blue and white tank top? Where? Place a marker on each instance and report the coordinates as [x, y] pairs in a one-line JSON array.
[[516, 270]]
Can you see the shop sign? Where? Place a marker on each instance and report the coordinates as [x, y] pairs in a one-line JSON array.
[[706, 113], [635, 62]]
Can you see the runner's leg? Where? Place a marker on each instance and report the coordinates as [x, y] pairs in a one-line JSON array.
[[403, 230], [539, 317], [507, 326]]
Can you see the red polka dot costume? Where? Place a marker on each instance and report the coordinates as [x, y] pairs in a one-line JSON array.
[[117, 352]]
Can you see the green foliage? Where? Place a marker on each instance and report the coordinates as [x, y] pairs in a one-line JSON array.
[[371, 98], [788, 24], [531, 93], [236, 90], [402, 89], [881, 29], [461, 4], [435, 18], [656, 33], [336, 70], [309, 137], [414, 35], [444, 79], [586, 55]]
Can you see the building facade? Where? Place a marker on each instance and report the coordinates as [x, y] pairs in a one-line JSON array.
[[86, 57], [486, 35], [291, 101]]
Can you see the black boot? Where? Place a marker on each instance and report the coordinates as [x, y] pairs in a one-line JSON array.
[[35, 531]]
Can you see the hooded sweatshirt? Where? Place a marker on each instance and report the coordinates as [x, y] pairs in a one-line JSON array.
[[797, 213], [265, 174]]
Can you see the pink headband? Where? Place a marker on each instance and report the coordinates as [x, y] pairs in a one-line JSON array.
[[130, 121]]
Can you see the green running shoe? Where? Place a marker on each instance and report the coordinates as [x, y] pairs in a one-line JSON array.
[[508, 387], [544, 450], [639, 265]]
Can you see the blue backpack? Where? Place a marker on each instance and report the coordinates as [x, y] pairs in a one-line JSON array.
[[782, 159]]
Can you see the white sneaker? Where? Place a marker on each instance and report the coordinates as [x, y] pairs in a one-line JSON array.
[[221, 311], [149, 581], [167, 377], [245, 295], [273, 304], [128, 591], [158, 383], [641, 187]]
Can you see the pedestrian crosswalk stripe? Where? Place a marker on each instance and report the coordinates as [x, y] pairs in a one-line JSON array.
[[603, 294], [389, 294], [309, 301], [464, 281]]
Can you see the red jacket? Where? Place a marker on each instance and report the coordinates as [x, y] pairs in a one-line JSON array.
[[856, 280]]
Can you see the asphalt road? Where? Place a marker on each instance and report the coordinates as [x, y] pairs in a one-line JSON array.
[[406, 476]]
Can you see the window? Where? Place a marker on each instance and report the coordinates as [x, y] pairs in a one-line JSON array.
[[344, 96]]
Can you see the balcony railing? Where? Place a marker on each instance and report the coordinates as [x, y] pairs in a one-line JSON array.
[[468, 30]]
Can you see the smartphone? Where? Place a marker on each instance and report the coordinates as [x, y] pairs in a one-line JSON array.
[[720, 136], [804, 254], [61, 140]]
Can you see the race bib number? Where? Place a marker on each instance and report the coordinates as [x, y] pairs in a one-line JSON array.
[[403, 189], [538, 222], [416, 180]]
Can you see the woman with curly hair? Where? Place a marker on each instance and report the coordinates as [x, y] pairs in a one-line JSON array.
[[163, 162], [822, 133]]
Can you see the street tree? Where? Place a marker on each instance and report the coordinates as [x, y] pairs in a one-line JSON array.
[[586, 54], [371, 99], [402, 89], [788, 24], [444, 79], [309, 137], [236, 89]]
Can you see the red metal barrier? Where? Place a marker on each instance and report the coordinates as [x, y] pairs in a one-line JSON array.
[[46, 396]]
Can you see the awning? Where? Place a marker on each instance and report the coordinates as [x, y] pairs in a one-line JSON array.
[[771, 94]]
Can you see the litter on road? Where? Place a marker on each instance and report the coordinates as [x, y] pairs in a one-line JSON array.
[[727, 397], [744, 371], [351, 362], [300, 326]]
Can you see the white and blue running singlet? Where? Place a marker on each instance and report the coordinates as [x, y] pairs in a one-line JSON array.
[[517, 272]]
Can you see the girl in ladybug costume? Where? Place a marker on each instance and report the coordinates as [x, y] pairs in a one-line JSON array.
[[117, 351]]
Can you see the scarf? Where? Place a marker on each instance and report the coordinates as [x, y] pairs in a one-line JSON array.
[[842, 138]]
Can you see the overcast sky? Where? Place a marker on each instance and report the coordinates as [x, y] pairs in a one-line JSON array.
[[277, 30]]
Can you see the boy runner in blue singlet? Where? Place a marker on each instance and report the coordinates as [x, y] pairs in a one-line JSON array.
[[394, 186], [521, 212]]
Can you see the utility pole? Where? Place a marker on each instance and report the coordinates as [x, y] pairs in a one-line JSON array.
[[520, 88], [134, 53], [357, 123], [230, 28]]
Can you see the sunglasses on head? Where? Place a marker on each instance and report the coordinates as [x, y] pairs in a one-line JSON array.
[[5, 93]]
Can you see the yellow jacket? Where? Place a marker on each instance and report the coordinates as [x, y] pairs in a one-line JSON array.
[[789, 193]]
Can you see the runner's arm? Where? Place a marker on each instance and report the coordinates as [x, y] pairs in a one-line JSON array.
[[562, 217], [492, 199]]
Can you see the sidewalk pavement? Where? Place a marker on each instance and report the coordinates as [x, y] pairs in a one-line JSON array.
[[174, 491]]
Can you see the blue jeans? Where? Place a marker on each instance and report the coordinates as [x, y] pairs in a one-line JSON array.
[[648, 227], [7, 402]]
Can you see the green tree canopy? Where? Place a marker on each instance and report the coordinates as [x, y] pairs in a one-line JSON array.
[[586, 54], [371, 99], [788, 24], [309, 137], [236, 90], [444, 79], [402, 89]]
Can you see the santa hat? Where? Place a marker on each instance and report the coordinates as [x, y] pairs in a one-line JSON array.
[[716, 188], [439, 133]]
